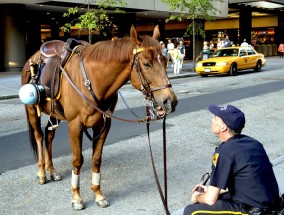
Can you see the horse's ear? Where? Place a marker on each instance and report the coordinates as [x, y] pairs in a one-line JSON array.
[[156, 33], [134, 36]]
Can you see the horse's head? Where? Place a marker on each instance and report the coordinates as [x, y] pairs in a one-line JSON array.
[[151, 76]]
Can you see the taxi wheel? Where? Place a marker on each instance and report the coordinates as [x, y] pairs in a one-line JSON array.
[[257, 68], [233, 69]]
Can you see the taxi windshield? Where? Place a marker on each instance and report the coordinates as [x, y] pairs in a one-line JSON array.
[[226, 52]]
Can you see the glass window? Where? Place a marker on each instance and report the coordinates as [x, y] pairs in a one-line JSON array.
[[250, 52], [243, 52]]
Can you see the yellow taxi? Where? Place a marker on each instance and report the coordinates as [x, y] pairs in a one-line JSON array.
[[231, 60]]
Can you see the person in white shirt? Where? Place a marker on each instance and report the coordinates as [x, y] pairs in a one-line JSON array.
[[170, 48], [220, 44], [245, 44]]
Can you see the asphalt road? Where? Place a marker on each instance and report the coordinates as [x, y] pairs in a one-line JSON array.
[[18, 142], [127, 177]]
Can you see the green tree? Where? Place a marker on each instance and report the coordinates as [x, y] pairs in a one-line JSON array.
[[197, 11], [92, 19]]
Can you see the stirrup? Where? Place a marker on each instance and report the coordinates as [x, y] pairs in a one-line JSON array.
[[52, 127]]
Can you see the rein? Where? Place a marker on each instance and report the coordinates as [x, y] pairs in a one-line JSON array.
[[164, 197]]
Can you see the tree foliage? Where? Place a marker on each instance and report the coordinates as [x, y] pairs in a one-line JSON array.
[[197, 10], [92, 19]]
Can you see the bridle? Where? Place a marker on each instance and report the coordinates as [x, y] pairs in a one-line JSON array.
[[144, 83]]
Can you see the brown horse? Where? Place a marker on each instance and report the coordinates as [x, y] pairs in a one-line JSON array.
[[107, 65]]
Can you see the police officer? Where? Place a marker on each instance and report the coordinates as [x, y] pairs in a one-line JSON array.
[[242, 179]]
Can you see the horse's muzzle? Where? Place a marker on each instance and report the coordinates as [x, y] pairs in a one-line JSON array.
[[166, 107]]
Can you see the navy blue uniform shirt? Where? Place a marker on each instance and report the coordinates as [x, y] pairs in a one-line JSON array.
[[242, 165]]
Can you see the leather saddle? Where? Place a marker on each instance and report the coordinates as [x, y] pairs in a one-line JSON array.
[[52, 48], [54, 54]]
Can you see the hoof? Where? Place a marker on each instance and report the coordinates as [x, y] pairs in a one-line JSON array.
[[55, 177], [76, 205], [102, 203], [41, 180]]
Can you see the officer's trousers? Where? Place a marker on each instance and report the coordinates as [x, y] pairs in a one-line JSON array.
[[220, 207]]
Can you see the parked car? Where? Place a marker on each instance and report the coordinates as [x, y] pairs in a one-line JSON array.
[[231, 60]]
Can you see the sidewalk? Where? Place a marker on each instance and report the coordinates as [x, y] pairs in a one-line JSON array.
[[10, 82]]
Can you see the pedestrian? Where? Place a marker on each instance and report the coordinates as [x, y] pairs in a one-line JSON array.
[[164, 49], [205, 54], [227, 42], [205, 46], [242, 180], [170, 48], [182, 52], [281, 49], [245, 44], [176, 55], [211, 46], [220, 44]]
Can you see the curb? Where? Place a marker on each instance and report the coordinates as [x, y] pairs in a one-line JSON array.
[[170, 77]]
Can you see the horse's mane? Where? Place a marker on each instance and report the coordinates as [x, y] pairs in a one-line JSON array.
[[117, 50]]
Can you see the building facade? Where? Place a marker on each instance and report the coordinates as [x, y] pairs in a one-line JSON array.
[[25, 25]]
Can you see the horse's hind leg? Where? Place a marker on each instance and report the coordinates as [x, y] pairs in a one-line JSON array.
[[49, 136], [36, 140], [98, 144]]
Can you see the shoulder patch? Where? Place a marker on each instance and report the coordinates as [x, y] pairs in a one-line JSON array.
[[215, 159]]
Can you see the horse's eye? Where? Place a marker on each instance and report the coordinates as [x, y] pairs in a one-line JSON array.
[[147, 65]]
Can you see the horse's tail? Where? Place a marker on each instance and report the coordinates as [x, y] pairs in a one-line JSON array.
[[31, 135]]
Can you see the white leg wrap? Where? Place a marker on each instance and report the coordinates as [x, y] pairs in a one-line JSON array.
[[75, 180], [96, 178]]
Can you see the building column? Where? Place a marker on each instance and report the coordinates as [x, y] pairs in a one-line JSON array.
[[162, 28], [12, 37], [279, 30], [33, 37], [124, 24], [245, 24], [54, 31]]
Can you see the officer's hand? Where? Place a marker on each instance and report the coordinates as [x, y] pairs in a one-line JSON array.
[[198, 190], [194, 196]]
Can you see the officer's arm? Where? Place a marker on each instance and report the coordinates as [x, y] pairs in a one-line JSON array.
[[209, 197]]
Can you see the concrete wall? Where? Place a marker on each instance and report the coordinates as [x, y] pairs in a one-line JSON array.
[[157, 5]]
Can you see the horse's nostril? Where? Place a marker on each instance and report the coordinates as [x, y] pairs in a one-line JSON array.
[[168, 104]]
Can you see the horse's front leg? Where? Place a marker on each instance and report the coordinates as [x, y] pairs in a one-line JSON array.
[[49, 136], [75, 135], [98, 144]]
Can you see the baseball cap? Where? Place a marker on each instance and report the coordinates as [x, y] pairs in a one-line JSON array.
[[233, 117]]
